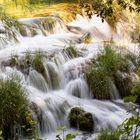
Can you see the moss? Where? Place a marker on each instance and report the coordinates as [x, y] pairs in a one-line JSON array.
[[80, 119], [86, 122], [74, 116]]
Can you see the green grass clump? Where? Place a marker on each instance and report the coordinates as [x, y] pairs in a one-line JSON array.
[[13, 102], [38, 62], [108, 136], [13, 61], [99, 83], [112, 61], [104, 70]]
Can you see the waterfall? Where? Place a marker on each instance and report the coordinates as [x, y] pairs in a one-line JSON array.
[[62, 85], [38, 81], [42, 26]]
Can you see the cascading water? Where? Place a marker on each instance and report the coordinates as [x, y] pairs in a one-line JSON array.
[[63, 85]]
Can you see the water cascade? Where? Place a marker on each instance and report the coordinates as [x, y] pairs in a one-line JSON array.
[[62, 85]]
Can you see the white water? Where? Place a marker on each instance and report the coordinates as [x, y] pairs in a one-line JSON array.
[[65, 87]]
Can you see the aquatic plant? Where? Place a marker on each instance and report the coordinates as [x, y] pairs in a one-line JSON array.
[[67, 137]]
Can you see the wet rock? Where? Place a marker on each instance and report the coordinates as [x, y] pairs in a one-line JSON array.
[[76, 30], [123, 83], [81, 119], [138, 99]]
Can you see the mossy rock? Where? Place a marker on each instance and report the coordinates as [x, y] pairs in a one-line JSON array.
[[124, 84], [86, 122], [81, 120]]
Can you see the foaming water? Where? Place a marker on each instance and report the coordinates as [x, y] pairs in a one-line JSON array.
[[94, 25]]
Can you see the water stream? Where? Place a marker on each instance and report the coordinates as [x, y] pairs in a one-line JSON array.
[[65, 86]]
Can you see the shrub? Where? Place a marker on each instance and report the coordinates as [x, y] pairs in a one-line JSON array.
[[13, 102]]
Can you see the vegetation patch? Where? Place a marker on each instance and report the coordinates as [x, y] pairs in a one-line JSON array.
[[104, 70], [106, 135], [13, 103], [38, 62]]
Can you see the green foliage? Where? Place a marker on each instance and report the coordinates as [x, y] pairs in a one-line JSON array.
[[135, 94], [130, 99], [28, 124], [99, 83], [13, 101], [10, 24], [104, 70], [67, 137], [0, 134], [129, 129], [105, 8], [70, 136], [106, 135], [136, 89], [38, 62], [13, 61], [62, 128], [112, 61]]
